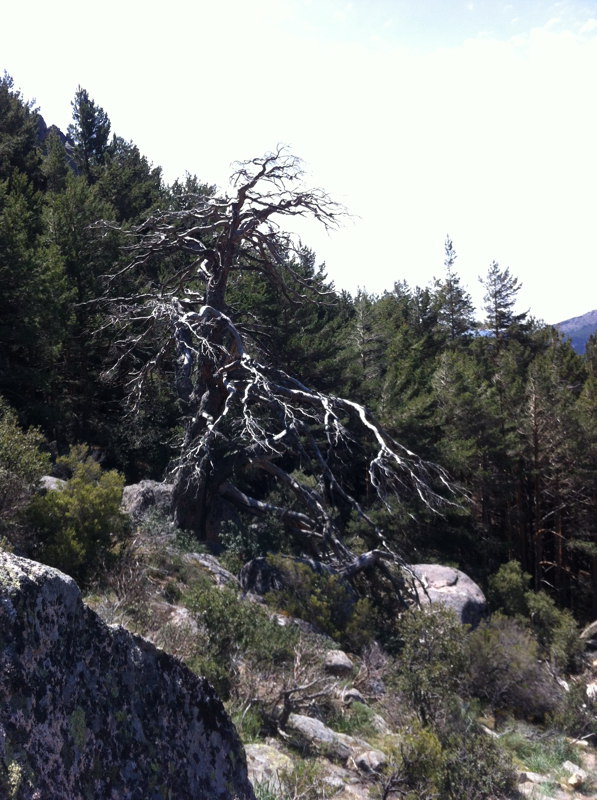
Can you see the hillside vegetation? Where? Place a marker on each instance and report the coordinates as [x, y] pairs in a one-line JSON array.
[[153, 331]]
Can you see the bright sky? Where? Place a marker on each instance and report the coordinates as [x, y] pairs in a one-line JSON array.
[[424, 117]]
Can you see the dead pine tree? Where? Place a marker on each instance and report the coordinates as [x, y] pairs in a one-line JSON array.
[[240, 411]]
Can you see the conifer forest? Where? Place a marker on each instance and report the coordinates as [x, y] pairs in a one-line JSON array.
[[176, 332]]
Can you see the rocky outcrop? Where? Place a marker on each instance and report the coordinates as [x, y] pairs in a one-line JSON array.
[[48, 483], [312, 733], [337, 663], [267, 764], [89, 711], [139, 499], [451, 587], [212, 567]]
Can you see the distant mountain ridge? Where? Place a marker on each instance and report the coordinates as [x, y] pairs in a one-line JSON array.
[[579, 329]]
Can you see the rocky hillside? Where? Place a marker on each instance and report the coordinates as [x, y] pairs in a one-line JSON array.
[[338, 716], [324, 709]]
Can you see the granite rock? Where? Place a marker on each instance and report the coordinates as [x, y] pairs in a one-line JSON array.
[[91, 711]]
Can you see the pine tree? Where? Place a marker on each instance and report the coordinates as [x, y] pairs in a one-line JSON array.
[[128, 181], [55, 166], [501, 290], [19, 139], [90, 131], [31, 300], [456, 312]]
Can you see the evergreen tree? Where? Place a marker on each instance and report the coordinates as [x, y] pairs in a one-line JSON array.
[[501, 290], [456, 312], [90, 131], [19, 135], [55, 166], [552, 450], [364, 350], [128, 182], [87, 254], [412, 346], [31, 301]]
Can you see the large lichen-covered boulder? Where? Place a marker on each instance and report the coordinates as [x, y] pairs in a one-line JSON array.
[[90, 711], [435, 583]]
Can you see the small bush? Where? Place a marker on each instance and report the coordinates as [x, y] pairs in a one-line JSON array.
[[233, 629], [576, 714], [79, 527], [432, 664], [555, 628], [453, 761], [556, 631], [506, 671], [22, 464], [302, 782], [324, 600], [356, 720], [543, 755], [507, 590], [475, 766], [417, 766]]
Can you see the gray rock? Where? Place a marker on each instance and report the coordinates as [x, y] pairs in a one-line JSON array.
[[89, 711], [351, 695], [266, 764], [139, 499], [210, 564], [314, 733], [48, 483], [526, 776], [451, 587], [379, 724], [337, 663], [370, 761], [589, 636], [577, 775]]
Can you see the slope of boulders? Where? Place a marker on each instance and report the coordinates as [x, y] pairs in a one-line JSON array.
[[356, 724], [330, 698]]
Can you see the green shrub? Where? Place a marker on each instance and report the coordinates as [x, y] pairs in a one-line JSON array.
[[233, 628], [556, 631], [476, 767], [324, 600], [555, 628], [576, 714], [454, 761], [248, 722], [506, 671], [80, 527], [356, 720], [303, 782], [416, 766], [543, 755], [507, 590], [433, 667], [22, 464]]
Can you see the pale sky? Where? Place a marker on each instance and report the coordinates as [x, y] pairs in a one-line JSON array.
[[425, 118]]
